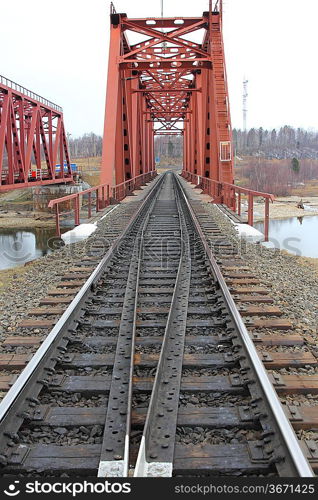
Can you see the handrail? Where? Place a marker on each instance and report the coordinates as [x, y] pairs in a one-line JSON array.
[[56, 201], [230, 195], [120, 191], [105, 195], [19, 88]]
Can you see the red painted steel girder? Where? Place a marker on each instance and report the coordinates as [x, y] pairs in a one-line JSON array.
[[31, 128], [172, 81]]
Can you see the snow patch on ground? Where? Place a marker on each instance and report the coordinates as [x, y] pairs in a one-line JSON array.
[[79, 233], [245, 231], [249, 233]]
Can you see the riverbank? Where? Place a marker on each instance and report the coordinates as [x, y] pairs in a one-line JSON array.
[[285, 207], [17, 211], [19, 219]]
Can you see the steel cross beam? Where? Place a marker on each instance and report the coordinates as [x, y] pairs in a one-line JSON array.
[[167, 78], [32, 139]]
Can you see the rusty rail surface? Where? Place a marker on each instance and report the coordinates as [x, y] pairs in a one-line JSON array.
[[231, 195], [98, 196]]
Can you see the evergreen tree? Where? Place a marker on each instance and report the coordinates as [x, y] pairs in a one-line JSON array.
[[295, 165]]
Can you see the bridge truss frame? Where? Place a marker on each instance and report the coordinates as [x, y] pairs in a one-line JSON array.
[[32, 139], [167, 84]]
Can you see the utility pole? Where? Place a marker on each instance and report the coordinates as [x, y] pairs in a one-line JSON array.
[[245, 95]]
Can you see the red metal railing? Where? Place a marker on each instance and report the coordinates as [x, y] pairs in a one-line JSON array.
[[120, 191], [98, 197], [231, 195]]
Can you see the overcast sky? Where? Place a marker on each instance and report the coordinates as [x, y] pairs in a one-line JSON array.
[[59, 49]]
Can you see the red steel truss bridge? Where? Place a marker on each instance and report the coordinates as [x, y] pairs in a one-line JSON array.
[[169, 80], [32, 139], [173, 81]]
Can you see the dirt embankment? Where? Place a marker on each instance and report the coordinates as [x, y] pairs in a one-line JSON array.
[[16, 210], [24, 220]]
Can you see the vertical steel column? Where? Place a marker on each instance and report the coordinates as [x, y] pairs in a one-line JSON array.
[[185, 150], [76, 210], [266, 220], [221, 95], [239, 207], [250, 209], [134, 97], [89, 210], [213, 131], [57, 221], [111, 171], [97, 200], [144, 137], [152, 147], [201, 98]]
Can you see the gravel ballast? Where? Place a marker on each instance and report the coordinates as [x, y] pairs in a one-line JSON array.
[[292, 283], [25, 286]]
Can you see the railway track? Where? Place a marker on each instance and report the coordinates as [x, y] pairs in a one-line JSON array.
[[150, 371]]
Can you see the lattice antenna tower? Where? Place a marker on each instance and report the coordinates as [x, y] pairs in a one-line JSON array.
[[164, 44], [245, 95]]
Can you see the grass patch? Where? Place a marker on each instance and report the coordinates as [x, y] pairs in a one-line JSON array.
[[12, 275]]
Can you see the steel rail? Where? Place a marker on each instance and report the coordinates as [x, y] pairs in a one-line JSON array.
[[301, 465], [114, 459], [115, 446], [155, 456], [28, 374]]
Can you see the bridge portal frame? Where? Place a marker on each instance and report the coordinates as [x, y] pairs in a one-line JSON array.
[[167, 84]]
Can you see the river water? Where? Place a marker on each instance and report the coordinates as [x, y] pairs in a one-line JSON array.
[[297, 235], [18, 246]]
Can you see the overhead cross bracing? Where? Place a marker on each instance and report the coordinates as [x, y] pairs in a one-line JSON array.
[[171, 81]]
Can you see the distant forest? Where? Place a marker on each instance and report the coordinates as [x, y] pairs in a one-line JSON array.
[[86, 146], [275, 161], [283, 143], [90, 145]]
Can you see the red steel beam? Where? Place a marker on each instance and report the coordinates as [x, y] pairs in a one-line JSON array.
[[32, 139]]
